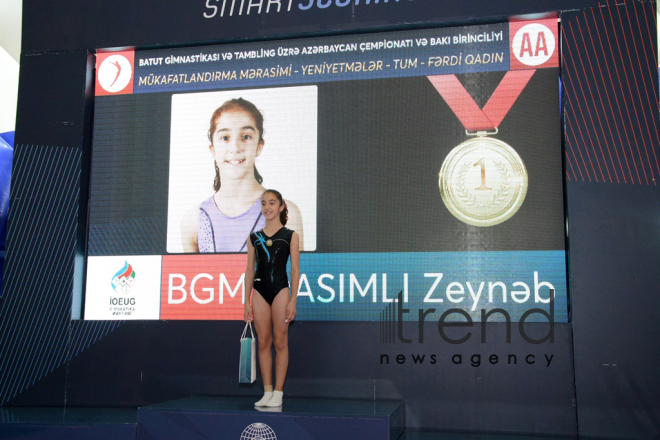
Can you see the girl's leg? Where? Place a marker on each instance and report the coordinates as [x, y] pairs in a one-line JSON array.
[[263, 325], [281, 334]]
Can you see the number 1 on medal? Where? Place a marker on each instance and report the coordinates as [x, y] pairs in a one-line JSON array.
[[483, 186]]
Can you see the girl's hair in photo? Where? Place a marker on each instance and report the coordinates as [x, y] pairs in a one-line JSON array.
[[236, 104], [284, 215]]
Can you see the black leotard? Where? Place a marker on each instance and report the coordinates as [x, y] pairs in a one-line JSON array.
[[272, 254]]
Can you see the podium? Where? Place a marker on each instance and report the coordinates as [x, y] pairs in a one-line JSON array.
[[197, 418], [299, 419]]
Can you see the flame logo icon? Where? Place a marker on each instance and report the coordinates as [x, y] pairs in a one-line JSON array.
[[124, 279]]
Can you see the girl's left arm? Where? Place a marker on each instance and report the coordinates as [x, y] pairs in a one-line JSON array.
[[295, 276]]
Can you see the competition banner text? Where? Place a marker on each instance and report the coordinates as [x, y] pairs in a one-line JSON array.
[[371, 56]]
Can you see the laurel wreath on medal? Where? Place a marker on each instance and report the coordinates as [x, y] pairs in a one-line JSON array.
[[469, 198], [503, 190], [463, 193]]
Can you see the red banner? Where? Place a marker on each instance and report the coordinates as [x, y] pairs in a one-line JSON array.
[[203, 286]]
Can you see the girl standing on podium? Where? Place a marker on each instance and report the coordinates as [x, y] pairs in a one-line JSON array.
[[272, 306]]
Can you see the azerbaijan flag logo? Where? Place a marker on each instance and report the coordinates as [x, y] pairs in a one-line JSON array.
[[123, 281]]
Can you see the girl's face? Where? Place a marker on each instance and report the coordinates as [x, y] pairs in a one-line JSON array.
[[270, 206], [235, 144]]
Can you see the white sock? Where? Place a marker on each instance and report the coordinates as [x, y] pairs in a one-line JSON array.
[[264, 400], [276, 400]]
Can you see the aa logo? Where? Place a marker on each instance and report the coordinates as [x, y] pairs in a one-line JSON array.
[[114, 73], [534, 45]]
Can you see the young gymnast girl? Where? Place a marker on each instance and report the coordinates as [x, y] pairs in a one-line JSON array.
[[221, 222], [272, 306]]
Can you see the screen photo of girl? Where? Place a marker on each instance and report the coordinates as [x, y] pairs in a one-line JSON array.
[[254, 139]]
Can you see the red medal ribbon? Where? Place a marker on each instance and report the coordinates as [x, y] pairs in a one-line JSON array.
[[499, 104]]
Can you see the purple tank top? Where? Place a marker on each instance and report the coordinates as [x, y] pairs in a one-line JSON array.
[[219, 233]]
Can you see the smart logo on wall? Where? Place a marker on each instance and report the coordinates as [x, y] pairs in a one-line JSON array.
[[229, 8]]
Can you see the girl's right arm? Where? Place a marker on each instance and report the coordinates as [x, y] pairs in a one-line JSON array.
[[249, 282]]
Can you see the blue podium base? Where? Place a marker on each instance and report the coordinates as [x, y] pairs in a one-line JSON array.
[[300, 419]]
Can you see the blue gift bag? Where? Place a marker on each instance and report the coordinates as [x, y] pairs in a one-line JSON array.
[[247, 370]]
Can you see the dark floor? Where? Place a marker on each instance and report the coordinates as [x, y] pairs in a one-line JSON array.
[[67, 416]]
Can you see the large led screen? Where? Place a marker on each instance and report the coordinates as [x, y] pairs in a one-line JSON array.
[[426, 163]]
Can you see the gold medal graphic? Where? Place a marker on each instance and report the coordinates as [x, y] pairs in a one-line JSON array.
[[269, 242], [483, 182]]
